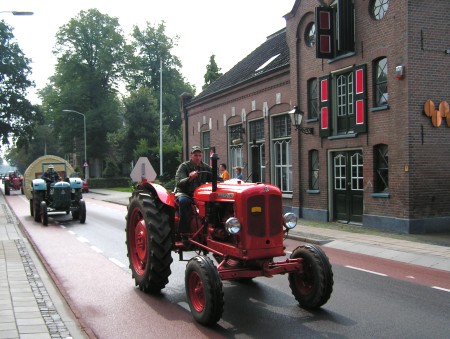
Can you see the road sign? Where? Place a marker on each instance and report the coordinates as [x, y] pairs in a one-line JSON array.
[[143, 170], [85, 164]]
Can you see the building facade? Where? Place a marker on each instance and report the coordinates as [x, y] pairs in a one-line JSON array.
[[372, 80]]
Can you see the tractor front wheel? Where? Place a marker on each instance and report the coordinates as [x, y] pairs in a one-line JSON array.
[[204, 290], [313, 286], [149, 241], [44, 213], [82, 208]]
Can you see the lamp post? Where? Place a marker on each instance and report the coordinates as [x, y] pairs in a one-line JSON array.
[[86, 165], [17, 13]]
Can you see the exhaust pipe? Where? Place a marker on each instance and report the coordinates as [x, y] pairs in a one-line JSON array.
[[214, 159]]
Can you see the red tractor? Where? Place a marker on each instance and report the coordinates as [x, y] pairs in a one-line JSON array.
[[240, 225], [13, 181]]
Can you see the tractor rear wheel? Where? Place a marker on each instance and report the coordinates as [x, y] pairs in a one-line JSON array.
[[149, 241], [37, 208], [31, 208], [44, 213], [7, 188], [311, 288], [82, 207], [204, 290]]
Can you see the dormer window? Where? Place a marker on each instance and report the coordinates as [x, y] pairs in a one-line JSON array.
[[335, 32]]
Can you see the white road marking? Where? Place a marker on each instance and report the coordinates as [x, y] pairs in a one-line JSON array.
[[440, 288], [96, 249], [361, 269], [82, 239], [62, 226], [72, 232], [117, 262]]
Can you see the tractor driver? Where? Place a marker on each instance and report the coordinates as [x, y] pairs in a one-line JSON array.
[[50, 176], [190, 175]]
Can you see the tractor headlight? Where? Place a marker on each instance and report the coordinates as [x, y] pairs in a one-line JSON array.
[[233, 225], [290, 220]]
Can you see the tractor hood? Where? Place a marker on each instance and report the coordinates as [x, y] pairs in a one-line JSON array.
[[233, 190]]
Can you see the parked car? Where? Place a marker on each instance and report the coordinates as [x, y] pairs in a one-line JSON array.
[[85, 187]]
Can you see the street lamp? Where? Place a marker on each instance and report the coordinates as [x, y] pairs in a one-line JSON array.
[[86, 165], [17, 13], [296, 118]]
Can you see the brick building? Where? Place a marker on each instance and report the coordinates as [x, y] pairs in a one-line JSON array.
[[372, 78]]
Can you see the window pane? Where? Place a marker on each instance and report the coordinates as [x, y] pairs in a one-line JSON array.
[[381, 168], [340, 173], [256, 130], [281, 126], [357, 172], [381, 94], [314, 170], [313, 104]]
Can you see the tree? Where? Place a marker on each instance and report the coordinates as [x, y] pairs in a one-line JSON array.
[[17, 114], [153, 47], [212, 72], [140, 117], [92, 57]]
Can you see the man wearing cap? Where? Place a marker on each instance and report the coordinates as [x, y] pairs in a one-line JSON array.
[[50, 176], [190, 175]]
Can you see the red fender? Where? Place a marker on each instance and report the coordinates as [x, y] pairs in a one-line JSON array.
[[167, 198]]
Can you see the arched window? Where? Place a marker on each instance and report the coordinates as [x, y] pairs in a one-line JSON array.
[[381, 167], [380, 83]]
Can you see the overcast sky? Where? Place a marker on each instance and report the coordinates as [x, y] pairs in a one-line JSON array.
[[230, 29]]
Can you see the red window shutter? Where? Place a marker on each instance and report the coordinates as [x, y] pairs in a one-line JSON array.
[[324, 33], [360, 104], [324, 106]]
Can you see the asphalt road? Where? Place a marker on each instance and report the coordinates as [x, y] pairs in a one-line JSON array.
[[370, 298]]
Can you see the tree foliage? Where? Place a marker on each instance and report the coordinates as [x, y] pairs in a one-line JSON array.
[[92, 57], [212, 72], [153, 48], [17, 114]]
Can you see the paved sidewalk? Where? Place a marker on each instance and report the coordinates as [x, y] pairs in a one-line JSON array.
[[30, 304], [382, 245]]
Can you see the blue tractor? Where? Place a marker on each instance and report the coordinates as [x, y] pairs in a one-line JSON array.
[[59, 197]]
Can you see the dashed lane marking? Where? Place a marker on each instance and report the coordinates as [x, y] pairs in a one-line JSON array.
[[82, 239], [363, 270], [440, 288], [117, 262], [96, 249]]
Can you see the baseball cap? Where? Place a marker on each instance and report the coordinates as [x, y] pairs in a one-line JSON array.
[[196, 149]]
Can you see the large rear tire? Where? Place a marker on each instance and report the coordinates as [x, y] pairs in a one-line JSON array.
[[31, 208], [44, 213], [204, 290], [149, 241], [37, 208], [311, 288], [7, 188], [82, 207]]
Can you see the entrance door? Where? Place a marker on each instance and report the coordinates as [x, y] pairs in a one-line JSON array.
[[348, 186]]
